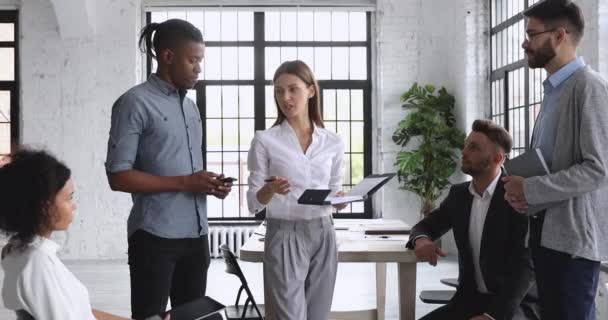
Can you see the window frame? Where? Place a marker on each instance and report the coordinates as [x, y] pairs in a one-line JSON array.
[[12, 86], [259, 84]]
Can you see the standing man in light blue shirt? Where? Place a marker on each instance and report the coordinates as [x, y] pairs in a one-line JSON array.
[[570, 238], [155, 153]]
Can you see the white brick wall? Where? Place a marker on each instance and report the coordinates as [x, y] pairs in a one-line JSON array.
[[69, 85]]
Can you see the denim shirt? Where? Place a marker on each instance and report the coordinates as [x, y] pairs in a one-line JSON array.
[[157, 130]]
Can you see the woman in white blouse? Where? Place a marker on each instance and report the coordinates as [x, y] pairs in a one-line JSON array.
[[295, 154], [36, 196]]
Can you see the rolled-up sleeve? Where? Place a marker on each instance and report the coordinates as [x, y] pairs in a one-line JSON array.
[[257, 163], [128, 123]]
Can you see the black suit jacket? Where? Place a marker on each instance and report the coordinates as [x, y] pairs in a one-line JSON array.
[[504, 259]]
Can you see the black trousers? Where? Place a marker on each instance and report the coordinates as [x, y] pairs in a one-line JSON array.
[[566, 285], [161, 268]]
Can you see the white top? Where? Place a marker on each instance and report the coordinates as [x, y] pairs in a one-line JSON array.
[[479, 210], [36, 281], [277, 152]]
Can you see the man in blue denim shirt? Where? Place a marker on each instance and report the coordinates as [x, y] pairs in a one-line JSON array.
[[154, 153]]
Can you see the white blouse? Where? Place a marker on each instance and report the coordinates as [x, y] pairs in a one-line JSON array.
[[277, 152], [36, 281]]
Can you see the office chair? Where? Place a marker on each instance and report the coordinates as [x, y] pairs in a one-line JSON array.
[[247, 311]]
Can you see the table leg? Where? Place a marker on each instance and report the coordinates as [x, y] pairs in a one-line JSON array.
[[407, 290], [380, 290]]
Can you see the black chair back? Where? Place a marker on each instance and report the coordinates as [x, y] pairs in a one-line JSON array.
[[232, 267]]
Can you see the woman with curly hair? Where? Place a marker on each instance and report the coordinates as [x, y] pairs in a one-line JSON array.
[[36, 197]]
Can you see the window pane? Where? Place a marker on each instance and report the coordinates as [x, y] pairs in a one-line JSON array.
[[229, 66], [347, 170], [231, 164], [213, 102], [340, 63], [357, 168], [214, 207], [7, 32], [307, 54], [322, 25], [329, 104], [231, 205], [5, 138], [344, 132], [212, 26], [197, 18], [271, 109], [272, 26], [245, 26], [7, 64], [229, 21], [356, 105], [289, 54], [305, 26], [230, 104], [339, 26], [5, 106], [213, 67], [213, 129], [343, 104], [357, 136], [230, 135], [245, 63], [247, 130], [357, 25], [358, 63], [158, 17], [323, 63], [176, 15], [246, 99], [289, 26], [272, 60]]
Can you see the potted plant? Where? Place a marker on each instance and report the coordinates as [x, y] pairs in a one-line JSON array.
[[425, 169]]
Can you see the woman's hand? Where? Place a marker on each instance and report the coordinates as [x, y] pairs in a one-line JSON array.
[[274, 184], [340, 206]]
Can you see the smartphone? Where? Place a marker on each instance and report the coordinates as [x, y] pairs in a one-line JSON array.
[[227, 179]]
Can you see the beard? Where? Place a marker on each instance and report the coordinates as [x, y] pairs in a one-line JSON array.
[[476, 169], [540, 57]]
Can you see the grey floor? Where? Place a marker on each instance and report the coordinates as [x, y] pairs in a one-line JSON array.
[[108, 284]]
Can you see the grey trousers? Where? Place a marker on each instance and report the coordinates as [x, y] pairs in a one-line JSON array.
[[300, 264]]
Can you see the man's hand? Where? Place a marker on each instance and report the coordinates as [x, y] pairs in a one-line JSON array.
[[481, 317], [222, 191], [340, 206], [426, 250], [514, 193], [203, 182]]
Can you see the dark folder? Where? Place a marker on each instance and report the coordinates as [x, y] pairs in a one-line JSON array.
[[203, 308], [362, 191], [529, 164]]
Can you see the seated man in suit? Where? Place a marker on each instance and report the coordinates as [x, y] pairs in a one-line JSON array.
[[495, 271]]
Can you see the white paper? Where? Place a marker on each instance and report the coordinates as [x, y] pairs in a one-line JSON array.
[[365, 186], [343, 199]]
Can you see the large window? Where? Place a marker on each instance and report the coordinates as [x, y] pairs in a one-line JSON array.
[[516, 90], [235, 94], [9, 103]]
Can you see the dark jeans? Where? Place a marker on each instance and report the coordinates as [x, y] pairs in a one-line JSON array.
[[163, 267], [566, 286]]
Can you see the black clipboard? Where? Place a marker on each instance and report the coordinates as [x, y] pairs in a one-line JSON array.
[[319, 196]]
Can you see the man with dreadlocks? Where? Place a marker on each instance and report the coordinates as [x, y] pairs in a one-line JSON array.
[[154, 153]]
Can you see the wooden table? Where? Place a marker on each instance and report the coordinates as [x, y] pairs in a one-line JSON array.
[[354, 246]]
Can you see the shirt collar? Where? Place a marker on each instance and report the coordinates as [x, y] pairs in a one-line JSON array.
[[489, 190], [561, 75], [45, 244], [286, 128], [161, 84]]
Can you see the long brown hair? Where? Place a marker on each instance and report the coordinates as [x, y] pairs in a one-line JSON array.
[[299, 69]]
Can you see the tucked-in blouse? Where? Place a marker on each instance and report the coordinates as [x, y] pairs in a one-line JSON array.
[[36, 281], [277, 152]]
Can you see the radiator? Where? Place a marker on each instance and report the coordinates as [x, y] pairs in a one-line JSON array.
[[233, 236]]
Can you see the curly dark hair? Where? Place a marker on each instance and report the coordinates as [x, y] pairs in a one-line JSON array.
[[29, 182]]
